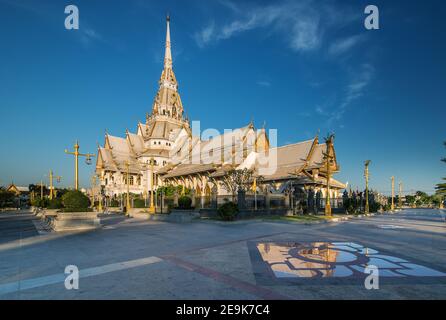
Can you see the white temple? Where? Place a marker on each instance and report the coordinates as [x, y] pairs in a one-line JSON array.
[[179, 158]]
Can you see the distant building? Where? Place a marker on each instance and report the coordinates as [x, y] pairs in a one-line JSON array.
[[18, 190]]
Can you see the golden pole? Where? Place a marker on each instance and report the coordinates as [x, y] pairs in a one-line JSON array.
[[93, 186], [76, 162], [400, 195], [101, 179], [366, 175], [127, 165], [328, 158], [76, 166], [327, 198], [392, 206], [152, 206], [52, 189], [51, 184]]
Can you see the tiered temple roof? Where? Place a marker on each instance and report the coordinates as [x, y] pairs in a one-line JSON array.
[[166, 135]]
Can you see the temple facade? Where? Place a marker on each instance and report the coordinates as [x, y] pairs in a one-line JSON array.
[[163, 151]]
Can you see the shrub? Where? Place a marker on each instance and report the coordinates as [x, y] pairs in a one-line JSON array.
[[228, 211], [374, 207], [6, 198], [75, 201], [350, 206], [56, 203], [39, 203], [184, 202], [139, 203], [114, 203]]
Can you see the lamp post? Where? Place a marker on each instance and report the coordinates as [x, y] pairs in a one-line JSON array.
[[254, 189], [127, 166], [400, 195], [51, 177], [328, 159], [93, 187], [366, 175], [101, 180], [76, 155], [392, 206], [152, 205]]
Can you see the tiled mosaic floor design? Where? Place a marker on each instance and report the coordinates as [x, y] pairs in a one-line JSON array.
[[285, 260]]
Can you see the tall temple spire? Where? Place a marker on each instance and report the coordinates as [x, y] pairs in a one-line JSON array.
[[168, 53], [167, 100]]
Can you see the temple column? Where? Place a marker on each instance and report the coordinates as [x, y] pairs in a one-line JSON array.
[[287, 199], [175, 198], [214, 197], [193, 197], [267, 198]]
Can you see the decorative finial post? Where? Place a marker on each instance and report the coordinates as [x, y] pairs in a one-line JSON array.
[[366, 175], [392, 206], [76, 155]]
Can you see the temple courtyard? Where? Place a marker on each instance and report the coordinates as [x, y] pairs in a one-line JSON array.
[[132, 258]]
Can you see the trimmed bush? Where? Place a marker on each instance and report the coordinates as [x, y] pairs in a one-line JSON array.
[[6, 198], [75, 201], [114, 203], [40, 203], [184, 202], [374, 207], [56, 203], [228, 211], [139, 203]]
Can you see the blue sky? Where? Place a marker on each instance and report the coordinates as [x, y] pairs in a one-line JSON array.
[[301, 66]]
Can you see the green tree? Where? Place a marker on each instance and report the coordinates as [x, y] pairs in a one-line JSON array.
[[240, 180], [6, 198]]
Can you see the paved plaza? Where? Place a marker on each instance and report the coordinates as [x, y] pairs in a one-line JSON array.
[[132, 258]]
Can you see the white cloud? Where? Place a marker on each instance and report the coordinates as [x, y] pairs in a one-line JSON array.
[[354, 90], [205, 36], [88, 35], [345, 44], [299, 23], [264, 83], [306, 34]]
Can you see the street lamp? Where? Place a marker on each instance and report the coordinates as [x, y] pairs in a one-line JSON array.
[[127, 166], [400, 195], [51, 178], [76, 155], [93, 187], [392, 206], [328, 159], [366, 175], [152, 184]]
